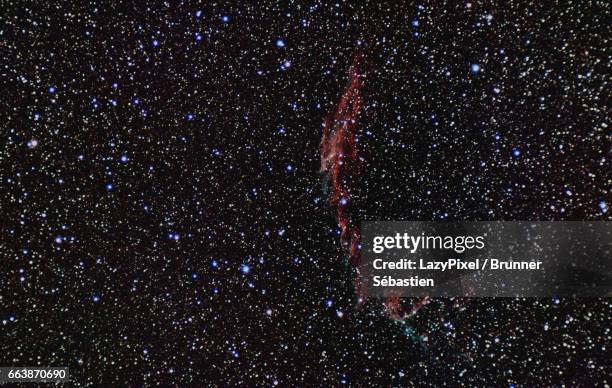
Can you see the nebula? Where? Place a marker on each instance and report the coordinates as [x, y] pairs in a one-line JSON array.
[[340, 160]]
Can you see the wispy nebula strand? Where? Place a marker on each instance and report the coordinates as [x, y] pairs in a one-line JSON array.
[[340, 160]]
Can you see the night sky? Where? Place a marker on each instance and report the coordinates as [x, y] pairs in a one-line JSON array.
[[164, 216]]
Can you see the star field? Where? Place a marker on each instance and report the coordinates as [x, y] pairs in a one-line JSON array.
[[165, 221]]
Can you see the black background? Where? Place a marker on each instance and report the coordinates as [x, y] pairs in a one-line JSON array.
[[121, 302]]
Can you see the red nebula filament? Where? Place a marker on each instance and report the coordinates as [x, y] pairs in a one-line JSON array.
[[339, 157]]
